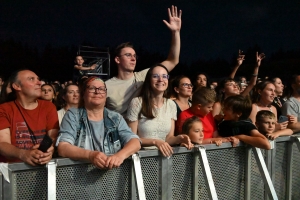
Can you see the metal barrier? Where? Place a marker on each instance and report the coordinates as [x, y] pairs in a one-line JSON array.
[[206, 172]]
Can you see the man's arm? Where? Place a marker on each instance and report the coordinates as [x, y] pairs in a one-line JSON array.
[[32, 157], [85, 68], [174, 25]]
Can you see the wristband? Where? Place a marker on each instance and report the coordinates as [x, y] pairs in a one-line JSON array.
[[254, 74]]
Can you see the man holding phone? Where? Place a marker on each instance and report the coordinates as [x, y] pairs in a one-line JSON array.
[[26, 121]]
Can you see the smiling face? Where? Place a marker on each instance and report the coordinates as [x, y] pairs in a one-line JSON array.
[[196, 132], [95, 97], [47, 93], [126, 61], [267, 94], [278, 87], [266, 125], [79, 60], [159, 82]]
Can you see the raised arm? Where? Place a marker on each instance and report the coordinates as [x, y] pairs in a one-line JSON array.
[[174, 25], [239, 62], [85, 68], [252, 83]]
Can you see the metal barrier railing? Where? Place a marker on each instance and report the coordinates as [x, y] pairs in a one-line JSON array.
[[205, 172]]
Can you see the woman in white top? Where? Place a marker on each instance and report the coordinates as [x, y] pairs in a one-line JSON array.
[[263, 97], [152, 116], [70, 98]]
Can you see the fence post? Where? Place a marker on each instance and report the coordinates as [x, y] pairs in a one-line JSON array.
[[264, 172], [51, 166], [248, 174], [165, 177], [207, 173], [270, 163], [289, 171], [138, 177]]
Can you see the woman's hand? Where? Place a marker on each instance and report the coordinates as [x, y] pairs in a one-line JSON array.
[[114, 161], [98, 159], [164, 148], [281, 126]]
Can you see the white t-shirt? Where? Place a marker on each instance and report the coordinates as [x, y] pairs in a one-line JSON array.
[[121, 92], [156, 128], [291, 107], [61, 114]]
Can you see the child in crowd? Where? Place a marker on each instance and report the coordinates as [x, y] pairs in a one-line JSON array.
[[265, 123], [236, 123], [194, 129], [202, 103]]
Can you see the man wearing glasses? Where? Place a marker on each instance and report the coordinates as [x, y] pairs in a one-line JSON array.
[[127, 84]]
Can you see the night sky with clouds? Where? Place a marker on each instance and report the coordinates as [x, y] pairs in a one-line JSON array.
[[210, 29]]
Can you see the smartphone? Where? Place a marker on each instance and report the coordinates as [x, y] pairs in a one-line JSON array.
[[283, 119], [45, 144]]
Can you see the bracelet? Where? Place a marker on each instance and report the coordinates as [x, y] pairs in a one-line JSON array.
[[254, 74]]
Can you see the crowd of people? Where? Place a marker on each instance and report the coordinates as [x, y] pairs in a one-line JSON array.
[[106, 121]]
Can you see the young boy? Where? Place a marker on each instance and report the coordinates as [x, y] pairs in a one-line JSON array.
[[265, 123], [236, 123], [202, 103]]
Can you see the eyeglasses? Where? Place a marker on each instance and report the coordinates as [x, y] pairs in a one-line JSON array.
[[101, 90], [163, 76], [186, 85], [129, 55]]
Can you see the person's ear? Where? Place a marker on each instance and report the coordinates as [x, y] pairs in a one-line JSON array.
[[176, 89], [199, 106], [117, 59], [239, 114], [16, 87]]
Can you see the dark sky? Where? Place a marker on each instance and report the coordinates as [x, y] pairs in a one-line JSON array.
[[210, 29]]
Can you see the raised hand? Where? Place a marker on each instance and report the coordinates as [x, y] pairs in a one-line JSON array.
[[259, 58], [240, 58], [174, 23]]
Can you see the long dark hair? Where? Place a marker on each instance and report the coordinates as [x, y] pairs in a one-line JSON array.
[[61, 102], [146, 93], [220, 87], [288, 92], [259, 87]]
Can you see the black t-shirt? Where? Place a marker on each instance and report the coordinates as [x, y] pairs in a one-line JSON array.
[[228, 128]]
